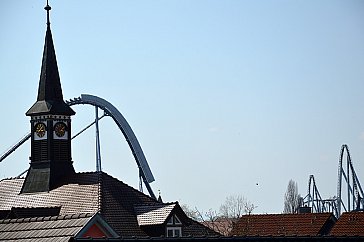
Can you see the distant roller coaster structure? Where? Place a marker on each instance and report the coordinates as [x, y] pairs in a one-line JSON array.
[[347, 182], [145, 173]]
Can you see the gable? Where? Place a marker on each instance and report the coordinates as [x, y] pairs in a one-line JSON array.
[[94, 232], [97, 227]]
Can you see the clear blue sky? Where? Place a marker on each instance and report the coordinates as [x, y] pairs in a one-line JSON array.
[[221, 94]]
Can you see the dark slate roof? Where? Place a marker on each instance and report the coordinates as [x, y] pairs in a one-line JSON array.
[[90, 193], [83, 193], [79, 195], [117, 202], [349, 224], [42, 229], [50, 97], [305, 224]]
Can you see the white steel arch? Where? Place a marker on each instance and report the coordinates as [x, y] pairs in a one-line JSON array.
[[144, 169]]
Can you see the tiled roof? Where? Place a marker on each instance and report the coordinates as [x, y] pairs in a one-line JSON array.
[[80, 195], [83, 193], [90, 193], [117, 204], [305, 224], [41, 229], [155, 214], [349, 224]]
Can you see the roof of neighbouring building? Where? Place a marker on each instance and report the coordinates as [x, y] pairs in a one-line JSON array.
[[221, 225], [349, 224], [305, 224]]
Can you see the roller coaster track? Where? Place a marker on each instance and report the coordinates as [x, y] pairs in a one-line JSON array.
[[347, 179], [314, 200], [353, 187], [145, 172]]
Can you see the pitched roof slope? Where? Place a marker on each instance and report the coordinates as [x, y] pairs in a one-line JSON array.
[[117, 205], [41, 229], [83, 193], [92, 192], [305, 224], [349, 224], [79, 195]]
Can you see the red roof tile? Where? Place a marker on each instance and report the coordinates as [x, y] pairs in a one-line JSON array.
[[305, 224], [349, 224]]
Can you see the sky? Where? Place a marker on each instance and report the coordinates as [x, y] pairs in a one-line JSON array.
[[225, 97]]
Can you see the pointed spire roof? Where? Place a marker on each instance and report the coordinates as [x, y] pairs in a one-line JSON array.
[[50, 97]]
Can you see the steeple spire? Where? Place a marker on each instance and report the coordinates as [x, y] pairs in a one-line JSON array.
[[50, 97]]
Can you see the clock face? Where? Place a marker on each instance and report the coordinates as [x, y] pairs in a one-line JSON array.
[[40, 129], [60, 129]]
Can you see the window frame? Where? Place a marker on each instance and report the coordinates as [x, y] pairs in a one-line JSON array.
[[174, 226], [173, 230]]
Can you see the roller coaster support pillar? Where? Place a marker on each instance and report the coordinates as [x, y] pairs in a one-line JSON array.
[[98, 152]]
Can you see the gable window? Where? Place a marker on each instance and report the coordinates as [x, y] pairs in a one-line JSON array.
[[174, 227]]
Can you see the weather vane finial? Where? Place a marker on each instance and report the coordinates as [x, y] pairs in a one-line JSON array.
[[48, 8]]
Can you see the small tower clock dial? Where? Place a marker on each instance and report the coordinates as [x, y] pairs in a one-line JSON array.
[[60, 129], [40, 130]]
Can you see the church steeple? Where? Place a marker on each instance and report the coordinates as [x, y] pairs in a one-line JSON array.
[[50, 159], [50, 97]]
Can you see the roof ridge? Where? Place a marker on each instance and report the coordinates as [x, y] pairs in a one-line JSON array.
[[35, 207], [12, 178], [87, 172], [47, 218], [155, 204]]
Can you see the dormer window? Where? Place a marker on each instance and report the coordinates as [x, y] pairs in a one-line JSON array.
[[174, 227]]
